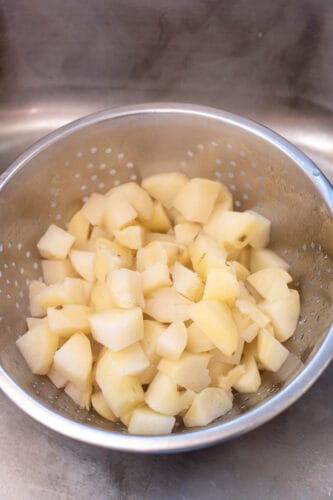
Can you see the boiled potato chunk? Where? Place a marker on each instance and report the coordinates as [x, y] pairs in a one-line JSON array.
[[74, 360], [80, 396], [145, 421], [221, 285], [55, 243], [36, 310], [68, 319], [163, 396], [210, 404], [155, 276], [260, 237], [118, 213], [31, 322], [117, 328], [196, 199], [250, 381], [159, 221], [126, 288], [189, 371], [70, 291], [101, 298], [271, 353], [186, 232], [57, 378], [238, 269], [152, 331], [110, 255], [205, 255], [55, 271], [83, 263], [38, 346], [94, 208], [137, 197], [284, 314], [132, 237], [187, 282], [197, 340], [149, 255], [165, 187], [233, 229], [79, 227], [260, 258], [172, 342], [129, 361], [248, 329], [227, 381], [167, 305], [101, 407], [216, 321], [271, 283]]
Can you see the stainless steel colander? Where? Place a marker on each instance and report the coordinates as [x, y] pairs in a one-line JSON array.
[[52, 179]]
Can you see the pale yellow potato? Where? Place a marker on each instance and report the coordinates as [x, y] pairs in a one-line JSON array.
[[79, 227], [271, 353], [167, 305], [155, 276], [235, 358], [31, 322], [174, 251], [187, 282], [137, 197], [125, 287], [197, 340], [185, 232], [260, 237], [110, 255], [84, 263], [94, 208], [163, 396], [234, 229], [128, 361], [205, 254], [210, 404], [57, 379], [147, 376], [247, 328], [250, 381], [216, 321], [164, 187], [38, 347], [196, 199], [36, 309], [80, 395], [55, 243], [70, 291], [133, 237], [55, 271], [260, 258], [271, 283], [100, 298], [172, 342], [152, 331], [149, 255], [284, 314], [221, 285], [189, 371], [101, 407], [74, 360], [159, 222], [118, 212], [145, 421], [228, 380], [69, 319], [238, 269]]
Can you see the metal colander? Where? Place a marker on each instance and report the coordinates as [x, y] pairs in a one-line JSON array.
[[263, 171]]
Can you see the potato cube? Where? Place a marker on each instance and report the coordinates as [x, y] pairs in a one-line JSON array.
[[148, 375], [187, 282], [238, 269], [149, 255], [234, 359], [55, 243], [55, 271], [36, 309], [74, 360], [125, 287], [159, 221], [250, 381], [101, 298], [97, 232], [264, 257], [155, 276], [248, 307], [210, 404], [137, 197], [101, 407], [189, 371], [205, 255], [221, 285], [79, 227], [68, 319], [271, 353], [117, 328], [270, 283], [284, 314], [216, 321], [31, 322], [132, 237], [260, 237], [167, 305], [94, 209], [152, 332], [70, 291], [247, 328], [80, 395], [228, 380], [145, 421], [83, 263], [165, 187], [186, 232], [196, 199], [38, 346], [129, 361], [172, 342], [174, 251], [163, 396], [57, 378], [110, 255], [197, 340], [233, 229], [118, 213]]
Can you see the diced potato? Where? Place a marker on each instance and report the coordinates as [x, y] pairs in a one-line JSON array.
[[74, 360], [234, 359], [234, 229], [83, 263], [163, 396], [101, 298], [247, 328], [205, 255], [221, 285], [57, 378], [118, 212], [132, 237], [248, 307], [216, 321], [110, 255], [227, 381], [68, 319], [213, 222], [94, 209], [210, 404], [271, 283], [145, 421], [70, 291], [284, 314], [187, 282], [117, 328], [152, 331], [31, 322], [101, 407], [189, 371], [159, 221], [172, 342], [149, 255], [80, 396], [217, 368], [260, 237], [55, 271], [196, 199], [128, 361], [79, 227], [125, 287], [55, 243], [264, 257], [155, 276], [38, 346], [148, 375], [186, 232], [137, 197], [225, 197], [36, 310], [197, 340], [97, 232], [167, 305], [271, 353], [250, 381], [165, 187], [174, 251]]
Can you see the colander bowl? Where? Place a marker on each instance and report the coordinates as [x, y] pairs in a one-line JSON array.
[[266, 173]]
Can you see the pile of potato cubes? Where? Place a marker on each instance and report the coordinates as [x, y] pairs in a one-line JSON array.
[[158, 302]]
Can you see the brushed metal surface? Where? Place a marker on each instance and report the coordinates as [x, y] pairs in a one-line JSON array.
[[273, 63]]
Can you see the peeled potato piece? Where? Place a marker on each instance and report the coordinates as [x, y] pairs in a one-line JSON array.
[[38, 346], [55, 243], [209, 404], [148, 422]]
